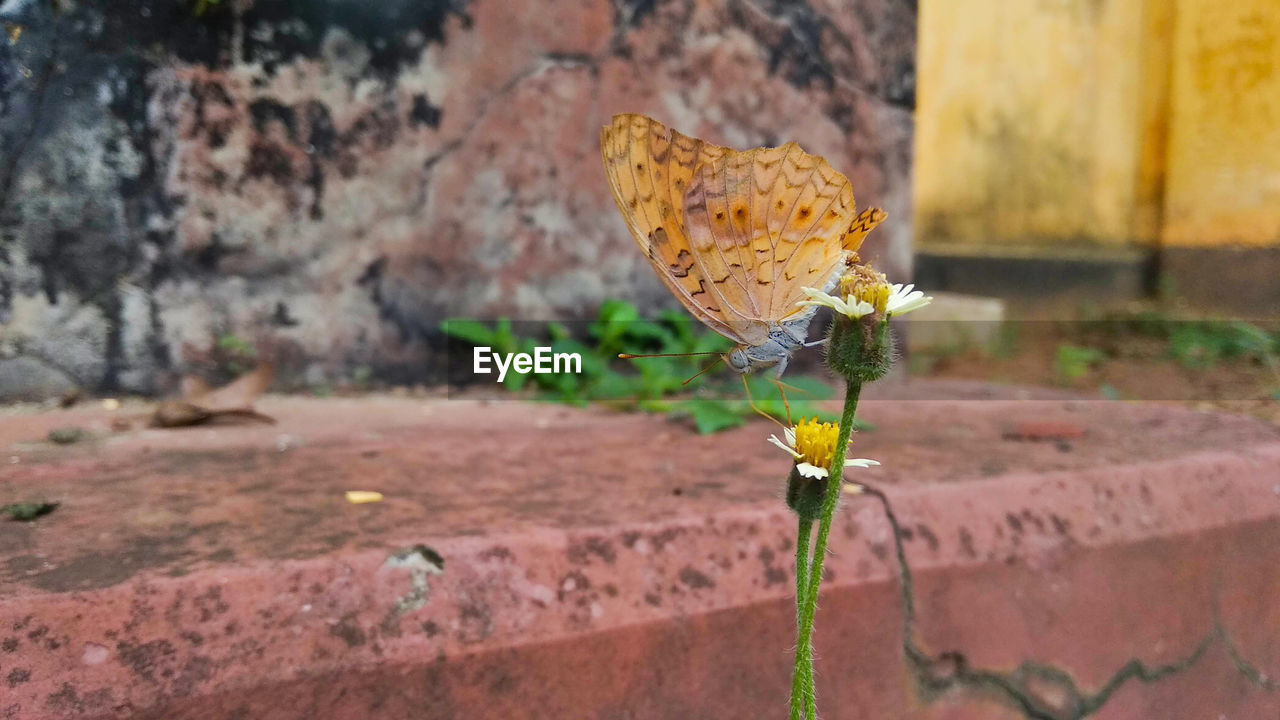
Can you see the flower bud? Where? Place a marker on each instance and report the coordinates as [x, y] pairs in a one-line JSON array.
[[805, 494]]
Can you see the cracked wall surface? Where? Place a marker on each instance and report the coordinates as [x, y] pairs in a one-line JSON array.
[[327, 183], [1043, 690]]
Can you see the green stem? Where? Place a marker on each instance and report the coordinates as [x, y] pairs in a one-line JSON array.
[[809, 603], [802, 678]]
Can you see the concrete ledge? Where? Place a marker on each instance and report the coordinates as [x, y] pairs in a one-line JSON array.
[[533, 561], [1200, 274], [1049, 278]]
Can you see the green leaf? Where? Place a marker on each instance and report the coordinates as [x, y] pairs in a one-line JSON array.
[[611, 324], [615, 386], [809, 387], [681, 326], [645, 334], [558, 332], [472, 331], [710, 342], [711, 415]]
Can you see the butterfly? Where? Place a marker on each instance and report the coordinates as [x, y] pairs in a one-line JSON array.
[[735, 235]]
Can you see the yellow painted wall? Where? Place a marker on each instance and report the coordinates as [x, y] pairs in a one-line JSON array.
[[1224, 140], [1098, 122]]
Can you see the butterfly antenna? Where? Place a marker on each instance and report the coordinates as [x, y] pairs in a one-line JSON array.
[[703, 371], [756, 408], [630, 356]]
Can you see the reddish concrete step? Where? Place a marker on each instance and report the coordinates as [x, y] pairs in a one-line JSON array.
[[532, 561]]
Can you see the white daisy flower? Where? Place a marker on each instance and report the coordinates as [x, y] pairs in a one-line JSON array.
[[813, 444]]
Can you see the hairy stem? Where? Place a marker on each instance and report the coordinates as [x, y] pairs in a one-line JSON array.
[[809, 602], [802, 678]]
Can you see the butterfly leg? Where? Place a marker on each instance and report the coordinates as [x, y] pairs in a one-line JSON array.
[[783, 392], [815, 343], [777, 379], [755, 407]]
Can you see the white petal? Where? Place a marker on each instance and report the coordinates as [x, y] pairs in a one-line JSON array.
[[810, 470], [774, 439], [905, 299], [817, 297], [853, 488], [790, 433], [860, 462], [859, 310]]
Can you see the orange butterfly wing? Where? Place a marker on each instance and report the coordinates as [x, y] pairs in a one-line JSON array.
[[784, 212], [734, 235], [649, 169], [866, 221]]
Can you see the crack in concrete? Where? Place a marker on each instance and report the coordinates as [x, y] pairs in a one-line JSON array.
[[1252, 672], [1031, 685]]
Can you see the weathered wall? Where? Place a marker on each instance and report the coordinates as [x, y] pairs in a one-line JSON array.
[[1224, 128], [1099, 122], [327, 182], [1032, 121]]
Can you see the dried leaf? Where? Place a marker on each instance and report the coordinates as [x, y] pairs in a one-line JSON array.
[[193, 387], [176, 413], [28, 511], [239, 393], [232, 402]]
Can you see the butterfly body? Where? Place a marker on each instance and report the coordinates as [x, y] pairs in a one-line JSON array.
[[784, 338], [735, 235]]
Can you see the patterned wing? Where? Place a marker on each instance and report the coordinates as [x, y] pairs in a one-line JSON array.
[[782, 214], [650, 170], [866, 221]]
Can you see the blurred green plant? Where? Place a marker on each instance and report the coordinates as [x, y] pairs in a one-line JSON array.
[[1204, 344], [659, 384], [233, 355], [1073, 362], [1200, 344]]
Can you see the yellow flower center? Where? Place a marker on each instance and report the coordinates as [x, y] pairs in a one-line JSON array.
[[816, 442], [865, 284]]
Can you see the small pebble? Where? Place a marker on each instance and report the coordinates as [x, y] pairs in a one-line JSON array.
[[67, 435]]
